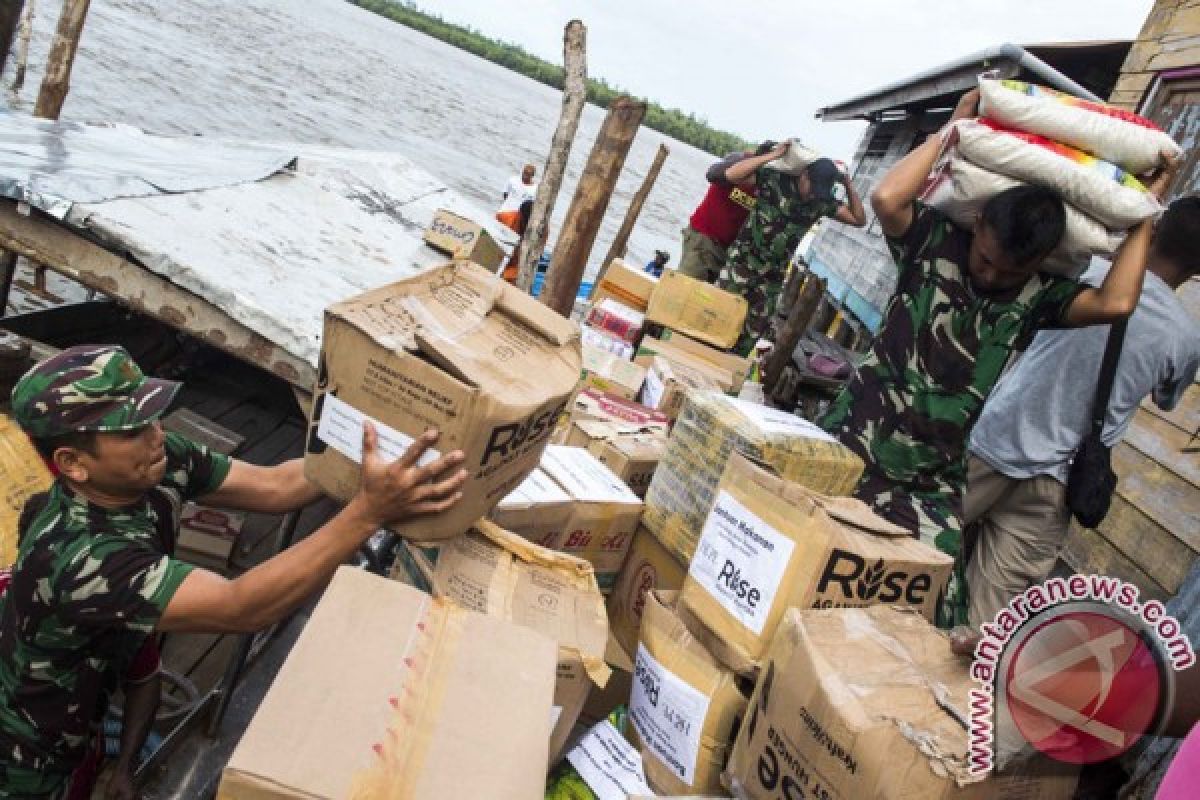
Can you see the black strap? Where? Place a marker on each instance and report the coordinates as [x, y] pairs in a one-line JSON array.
[[1108, 371]]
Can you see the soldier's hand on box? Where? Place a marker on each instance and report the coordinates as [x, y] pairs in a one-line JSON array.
[[404, 488]]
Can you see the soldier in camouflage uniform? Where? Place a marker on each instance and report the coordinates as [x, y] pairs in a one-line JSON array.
[[94, 575], [787, 206], [965, 302]]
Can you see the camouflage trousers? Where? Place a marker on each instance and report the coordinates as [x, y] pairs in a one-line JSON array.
[[934, 517], [761, 284]]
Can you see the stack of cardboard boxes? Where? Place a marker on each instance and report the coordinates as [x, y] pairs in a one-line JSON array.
[[745, 568]]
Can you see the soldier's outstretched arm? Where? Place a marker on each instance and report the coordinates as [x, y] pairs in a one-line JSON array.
[[270, 490], [207, 602]]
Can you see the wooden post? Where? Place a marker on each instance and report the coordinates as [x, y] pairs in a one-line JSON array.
[[587, 209], [62, 57], [807, 299], [10, 15], [617, 250], [24, 34], [574, 98]]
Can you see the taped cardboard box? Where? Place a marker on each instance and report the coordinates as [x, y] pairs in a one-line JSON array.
[[697, 309], [633, 457], [595, 523], [769, 544], [597, 405], [609, 372], [669, 382], [498, 573], [853, 703], [685, 706], [22, 475], [388, 687], [454, 348], [727, 369], [626, 284], [459, 237], [616, 319], [648, 566], [710, 428]]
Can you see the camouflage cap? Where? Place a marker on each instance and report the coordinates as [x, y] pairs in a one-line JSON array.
[[88, 388]]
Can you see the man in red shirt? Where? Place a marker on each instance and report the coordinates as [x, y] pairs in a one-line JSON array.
[[716, 221]]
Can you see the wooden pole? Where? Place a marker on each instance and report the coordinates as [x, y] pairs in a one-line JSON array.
[[574, 98], [617, 250], [62, 57], [587, 209], [807, 300], [24, 34], [10, 15]]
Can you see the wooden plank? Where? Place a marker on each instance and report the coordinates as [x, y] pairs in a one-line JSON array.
[[1185, 416], [1163, 496], [1161, 441], [1155, 550], [1088, 553], [57, 247]]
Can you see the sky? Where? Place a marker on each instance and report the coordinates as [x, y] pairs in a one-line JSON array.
[[761, 68]]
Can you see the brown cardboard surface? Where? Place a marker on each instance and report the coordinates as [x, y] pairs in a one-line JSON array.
[[739, 366], [648, 566], [697, 309], [769, 544], [852, 701], [608, 372], [710, 428], [454, 348], [459, 237], [22, 475], [668, 383], [626, 284], [633, 457], [597, 405], [601, 701], [387, 689], [498, 573], [728, 371], [684, 706]]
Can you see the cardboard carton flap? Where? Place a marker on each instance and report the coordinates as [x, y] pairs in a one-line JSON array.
[[557, 329]]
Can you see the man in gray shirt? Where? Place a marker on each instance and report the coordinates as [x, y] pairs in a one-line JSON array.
[[1039, 412]]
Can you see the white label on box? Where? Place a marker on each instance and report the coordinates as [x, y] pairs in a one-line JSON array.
[[341, 427], [772, 420], [583, 476], [740, 560], [608, 764], [653, 389], [668, 714]]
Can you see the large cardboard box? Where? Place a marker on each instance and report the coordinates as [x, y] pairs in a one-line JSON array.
[[22, 475], [769, 545], [710, 428], [498, 573], [633, 457], [459, 237], [648, 566], [388, 687], [668, 383], [853, 703], [596, 522], [608, 372], [597, 405], [728, 370], [685, 704], [626, 284], [454, 348], [697, 309]]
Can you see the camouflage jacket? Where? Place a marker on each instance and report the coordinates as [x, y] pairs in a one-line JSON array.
[[781, 217], [88, 585], [909, 407]]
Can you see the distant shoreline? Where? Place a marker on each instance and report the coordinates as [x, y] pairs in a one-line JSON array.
[[670, 121]]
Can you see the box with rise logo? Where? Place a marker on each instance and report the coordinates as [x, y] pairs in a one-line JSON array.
[[684, 706], [769, 544], [454, 348], [858, 703]]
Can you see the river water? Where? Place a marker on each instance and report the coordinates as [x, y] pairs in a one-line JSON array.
[[325, 71]]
